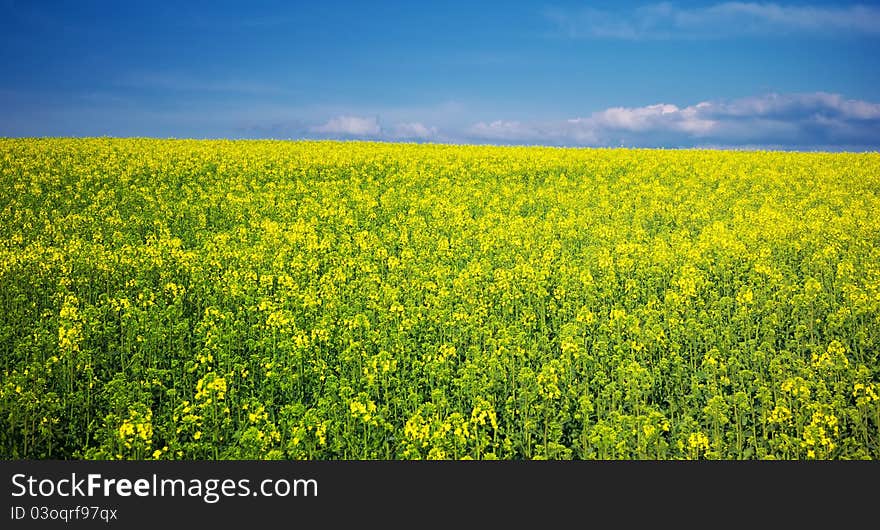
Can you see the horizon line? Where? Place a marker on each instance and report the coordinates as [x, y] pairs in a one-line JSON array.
[[737, 149]]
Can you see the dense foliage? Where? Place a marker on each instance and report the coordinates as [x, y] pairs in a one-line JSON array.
[[326, 300]]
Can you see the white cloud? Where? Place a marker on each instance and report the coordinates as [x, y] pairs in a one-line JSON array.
[[370, 128], [796, 120], [349, 126], [783, 105], [652, 117], [574, 131], [412, 130], [667, 21], [511, 131]]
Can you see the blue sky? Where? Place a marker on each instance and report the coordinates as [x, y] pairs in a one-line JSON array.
[[801, 75]]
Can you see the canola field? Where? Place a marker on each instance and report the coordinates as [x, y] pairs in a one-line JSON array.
[[192, 299]]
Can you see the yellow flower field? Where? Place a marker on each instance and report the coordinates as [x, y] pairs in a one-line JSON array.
[[193, 299]]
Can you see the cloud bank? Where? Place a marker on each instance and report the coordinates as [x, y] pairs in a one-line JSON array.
[[347, 126], [782, 120], [817, 120], [413, 130], [723, 20], [801, 121], [807, 121]]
